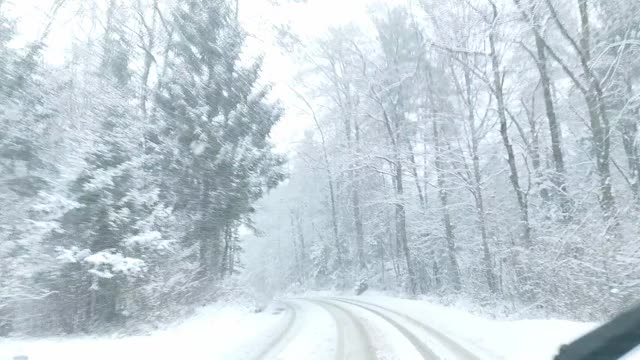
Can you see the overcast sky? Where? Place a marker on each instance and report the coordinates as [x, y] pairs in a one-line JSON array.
[[309, 19]]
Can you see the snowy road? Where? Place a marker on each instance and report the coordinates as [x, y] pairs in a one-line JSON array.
[[360, 331], [320, 327], [352, 339]]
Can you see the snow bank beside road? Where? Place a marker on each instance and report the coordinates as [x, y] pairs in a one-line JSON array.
[[492, 339], [215, 332]]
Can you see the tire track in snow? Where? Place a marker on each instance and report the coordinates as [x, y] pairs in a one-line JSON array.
[[281, 339], [349, 327], [455, 348], [421, 347]]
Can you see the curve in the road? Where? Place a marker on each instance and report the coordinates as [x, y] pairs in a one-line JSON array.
[[460, 351], [421, 347], [278, 341], [359, 339]]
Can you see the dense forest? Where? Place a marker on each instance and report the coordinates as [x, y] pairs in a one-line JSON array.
[[128, 170], [485, 150]]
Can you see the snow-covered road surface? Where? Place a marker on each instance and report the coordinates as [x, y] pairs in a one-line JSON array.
[[429, 342], [360, 331], [282, 333], [326, 327], [352, 339]]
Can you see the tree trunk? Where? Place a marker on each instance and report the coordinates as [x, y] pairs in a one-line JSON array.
[[559, 177], [401, 226], [330, 183], [414, 172], [303, 248], [351, 124], [148, 57], [395, 137], [207, 231], [425, 174], [629, 131], [477, 183], [226, 251], [594, 98], [482, 222], [599, 121], [296, 253], [511, 159], [233, 248], [534, 150], [454, 269], [357, 217], [334, 221]]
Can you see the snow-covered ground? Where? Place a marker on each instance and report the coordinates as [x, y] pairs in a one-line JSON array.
[[215, 332], [311, 328], [519, 339]]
